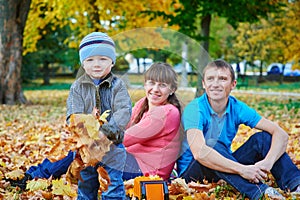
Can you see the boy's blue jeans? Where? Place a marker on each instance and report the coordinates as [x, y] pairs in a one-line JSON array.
[[285, 172], [113, 162]]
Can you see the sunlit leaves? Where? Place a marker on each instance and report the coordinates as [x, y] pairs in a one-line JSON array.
[[15, 174], [40, 184], [31, 133], [272, 40], [61, 187], [103, 179], [89, 126], [108, 16]]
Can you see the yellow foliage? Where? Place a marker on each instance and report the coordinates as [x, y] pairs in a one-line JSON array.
[[89, 122], [47, 117], [104, 116], [89, 145], [61, 187], [108, 16], [15, 174], [40, 184], [274, 39]]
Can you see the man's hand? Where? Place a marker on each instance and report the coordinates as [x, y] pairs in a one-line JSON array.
[[254, 173], [264, 164]]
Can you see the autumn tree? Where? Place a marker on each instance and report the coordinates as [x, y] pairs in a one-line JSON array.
[[112, 17], [89, 15], [13, 15], [52, 54], [282, 30], [274, 39], [194, 19]]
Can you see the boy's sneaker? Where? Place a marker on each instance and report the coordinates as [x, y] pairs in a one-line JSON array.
[[273, 194], [20, 183], [296, 194], [297, 189]]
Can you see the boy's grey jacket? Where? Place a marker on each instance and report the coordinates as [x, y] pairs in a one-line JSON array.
[[113, 96]]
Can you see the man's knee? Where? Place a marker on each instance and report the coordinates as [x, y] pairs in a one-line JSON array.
[[261, 136]]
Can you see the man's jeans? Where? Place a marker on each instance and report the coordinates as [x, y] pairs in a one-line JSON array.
[[287, 175], [113, 162]]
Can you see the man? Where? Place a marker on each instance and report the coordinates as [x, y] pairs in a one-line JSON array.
[[211, 122]]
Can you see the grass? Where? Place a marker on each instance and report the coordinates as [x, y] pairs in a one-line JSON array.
[[59, 83]]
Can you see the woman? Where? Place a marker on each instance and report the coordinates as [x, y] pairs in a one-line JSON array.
[[152, 138]]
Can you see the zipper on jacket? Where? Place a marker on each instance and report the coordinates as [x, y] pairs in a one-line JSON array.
[[98, 98]]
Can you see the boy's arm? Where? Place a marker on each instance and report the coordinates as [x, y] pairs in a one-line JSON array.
[[75, 103], [121, 113]]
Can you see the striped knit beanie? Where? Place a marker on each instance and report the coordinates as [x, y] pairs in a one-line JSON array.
[[97, 44]]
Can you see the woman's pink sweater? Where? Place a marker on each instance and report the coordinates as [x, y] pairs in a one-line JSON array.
[[154, 141]]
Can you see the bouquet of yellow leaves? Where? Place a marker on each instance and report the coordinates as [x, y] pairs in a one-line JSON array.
[[90, 146]]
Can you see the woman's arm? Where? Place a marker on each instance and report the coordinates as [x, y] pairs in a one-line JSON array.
[[150, 125]]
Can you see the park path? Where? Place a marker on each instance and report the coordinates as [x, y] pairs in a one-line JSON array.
[[286, 94], [269, 93]]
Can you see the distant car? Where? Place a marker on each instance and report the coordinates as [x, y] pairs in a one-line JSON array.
[[178, 68], [277, 68], [245, 68], [145, 64]]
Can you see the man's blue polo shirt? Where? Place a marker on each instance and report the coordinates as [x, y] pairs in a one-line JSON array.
[[198, 114]]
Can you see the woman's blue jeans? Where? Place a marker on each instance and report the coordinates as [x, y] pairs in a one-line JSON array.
[[113, 162], [132, 168], [285, 172]]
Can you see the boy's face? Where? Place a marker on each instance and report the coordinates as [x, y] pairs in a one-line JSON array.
[[97, 67], [218, 83]]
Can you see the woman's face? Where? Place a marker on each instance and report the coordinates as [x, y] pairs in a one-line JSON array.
[[157, 93], [97, 67]]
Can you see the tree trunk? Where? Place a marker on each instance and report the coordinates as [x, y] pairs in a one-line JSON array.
[[204, 55], [46, 73], [184, 80], [13, 16]]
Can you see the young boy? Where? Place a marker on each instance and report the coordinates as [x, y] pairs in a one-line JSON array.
[[96, 87]]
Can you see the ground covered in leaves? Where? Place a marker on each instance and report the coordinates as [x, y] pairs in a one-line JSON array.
[[28, 133]]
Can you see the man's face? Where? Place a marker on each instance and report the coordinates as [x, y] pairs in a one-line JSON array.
[[218, 83], [97, 67]]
